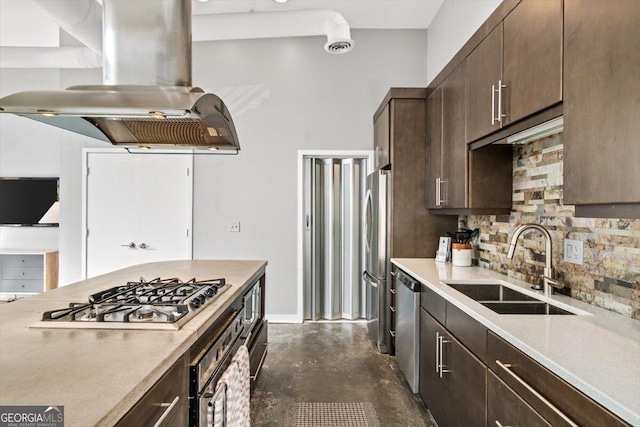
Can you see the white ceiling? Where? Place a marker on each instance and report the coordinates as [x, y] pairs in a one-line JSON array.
[[386, 14], [23, 23]]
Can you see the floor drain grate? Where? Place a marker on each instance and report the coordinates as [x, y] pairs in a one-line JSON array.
[[348, 414]]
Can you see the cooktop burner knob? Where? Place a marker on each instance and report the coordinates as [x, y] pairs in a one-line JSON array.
[[210, 292], [195, 303]]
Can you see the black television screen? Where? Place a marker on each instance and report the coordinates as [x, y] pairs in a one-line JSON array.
[[25, 201]]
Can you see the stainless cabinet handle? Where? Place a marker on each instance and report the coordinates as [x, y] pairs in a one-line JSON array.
[[441, 346], [499, 424], [143, 245], [507, 368], [437, 351], [493, 105], [392, 333], [500, 115], [439, 199], [130, 245], [167, 411], [392, 308], [393, 291]]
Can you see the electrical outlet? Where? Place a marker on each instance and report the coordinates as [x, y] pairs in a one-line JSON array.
[[573, 251], [234, 226]]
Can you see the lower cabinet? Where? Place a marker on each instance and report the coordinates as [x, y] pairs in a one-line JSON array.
[[166, 404], [506, 408], [470, 377], [452, 379]]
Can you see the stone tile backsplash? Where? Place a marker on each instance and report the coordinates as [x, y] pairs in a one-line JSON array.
[[610, 274]]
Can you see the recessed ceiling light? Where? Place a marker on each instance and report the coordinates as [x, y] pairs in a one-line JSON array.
[[280, 1], [203, 1]]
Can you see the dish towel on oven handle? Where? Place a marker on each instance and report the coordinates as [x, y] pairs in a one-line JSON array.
[[238, 395]]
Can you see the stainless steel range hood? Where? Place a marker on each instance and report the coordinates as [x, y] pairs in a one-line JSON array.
[[147, 99]]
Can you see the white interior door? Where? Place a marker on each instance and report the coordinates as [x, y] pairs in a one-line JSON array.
[[138, 209], [164, 207]]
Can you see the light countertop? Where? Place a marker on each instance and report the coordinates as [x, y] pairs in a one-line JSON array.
[[597, 353], [98, 375]]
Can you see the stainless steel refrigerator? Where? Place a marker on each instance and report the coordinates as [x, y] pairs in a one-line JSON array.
[[376, 270]]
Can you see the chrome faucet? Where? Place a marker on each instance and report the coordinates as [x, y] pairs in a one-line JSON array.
[[548, 277]]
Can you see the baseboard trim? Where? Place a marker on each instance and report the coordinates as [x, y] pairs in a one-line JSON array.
[[284, 318]]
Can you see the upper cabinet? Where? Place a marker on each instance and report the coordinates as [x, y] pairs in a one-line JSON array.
[[516, 71], [382, 139], [460, 181], [602, 106], [447, 149], [402, 118]]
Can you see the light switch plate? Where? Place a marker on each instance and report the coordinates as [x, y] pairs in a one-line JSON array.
[[234, 226], [573, 251]]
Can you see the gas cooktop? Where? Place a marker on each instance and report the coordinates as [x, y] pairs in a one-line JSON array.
[[154, 304]]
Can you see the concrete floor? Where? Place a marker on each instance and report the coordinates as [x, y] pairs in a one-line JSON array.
[[331, 362]]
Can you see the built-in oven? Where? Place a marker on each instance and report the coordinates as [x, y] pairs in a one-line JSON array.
[[209, 365]]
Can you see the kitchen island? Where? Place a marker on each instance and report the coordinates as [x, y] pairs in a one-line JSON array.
[[596, 352], [99, 374]]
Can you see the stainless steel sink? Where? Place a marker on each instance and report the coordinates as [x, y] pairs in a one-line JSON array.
[[523, 307], [506, 300], [490, 292]]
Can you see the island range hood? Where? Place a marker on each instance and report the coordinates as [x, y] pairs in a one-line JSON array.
[[146, 99]]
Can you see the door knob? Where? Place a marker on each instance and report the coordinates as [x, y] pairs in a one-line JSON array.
[[130, 245], [143, 245]]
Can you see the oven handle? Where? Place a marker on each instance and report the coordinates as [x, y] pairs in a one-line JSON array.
[[246, 341], [221, 388]]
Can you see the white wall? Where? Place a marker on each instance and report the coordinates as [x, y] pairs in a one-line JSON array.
[[453, 25], [285, 95]]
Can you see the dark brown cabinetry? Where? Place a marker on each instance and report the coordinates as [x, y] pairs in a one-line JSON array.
[[469, 376], [555, 400], [484, 71], [460, 181], [516, 70], [506, 408], [602, 104], [381, 139], [413, 232], [447, 182], [166, 404], [449, 375]]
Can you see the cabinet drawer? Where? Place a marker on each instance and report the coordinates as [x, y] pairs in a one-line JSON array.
[[544, 391], [27, 286], [22, 273], [506, 408], [22, 260], [468, 331], [171, 389], [434, 304]]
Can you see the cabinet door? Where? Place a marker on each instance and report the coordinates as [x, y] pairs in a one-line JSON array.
[[601, 102], [484, 70], [431, 385], [381, 138], [434, 148], [465, 381], [454, 147], [506, 408], [532, 58]]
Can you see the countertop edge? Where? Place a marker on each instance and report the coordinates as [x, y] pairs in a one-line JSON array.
[[589, 390]]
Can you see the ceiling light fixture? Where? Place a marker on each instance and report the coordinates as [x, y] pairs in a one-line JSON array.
[[280, 1]]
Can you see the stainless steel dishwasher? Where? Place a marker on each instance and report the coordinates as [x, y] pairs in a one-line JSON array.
[[408, 327]]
